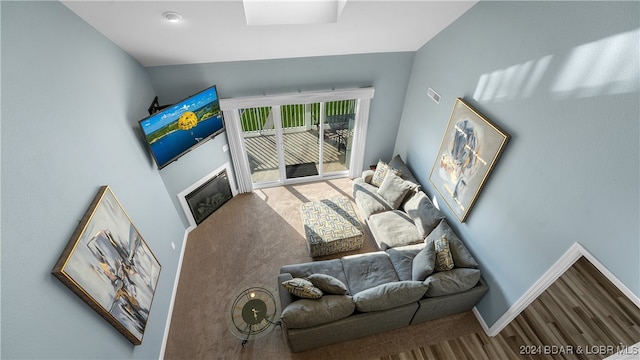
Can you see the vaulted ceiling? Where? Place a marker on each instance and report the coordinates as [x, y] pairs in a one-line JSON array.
[[217, 31]]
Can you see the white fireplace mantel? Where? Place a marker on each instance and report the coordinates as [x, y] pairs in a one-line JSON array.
[[182, 196]]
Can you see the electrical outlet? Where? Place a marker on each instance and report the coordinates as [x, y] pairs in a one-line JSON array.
[[225, 147], [173, 245]]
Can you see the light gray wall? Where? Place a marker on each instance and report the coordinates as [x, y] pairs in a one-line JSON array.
[[388, 73], [70, 102], [571, 170]]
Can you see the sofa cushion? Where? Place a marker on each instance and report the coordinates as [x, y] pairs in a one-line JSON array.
[[402, 258], [462, 258], [423, 213], [393, 228], [389, 295], [365, 271], [305, 313], [393, 189], [367, 199], [452, 281], [367, 175], [302, 288], [399, 164], [304, 270], [444, 260], [423, 263], [328, 284]]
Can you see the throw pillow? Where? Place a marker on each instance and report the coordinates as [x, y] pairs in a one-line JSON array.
[[402, 259], [424, 263], [451, 282], [423, 213], [305, 313], [389, 295], [461, 255], [393, 189], [399, 164], [444, 260], [302, 288], [379, 173], [328, 284]]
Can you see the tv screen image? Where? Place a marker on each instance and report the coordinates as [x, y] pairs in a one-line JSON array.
[[179, 128]]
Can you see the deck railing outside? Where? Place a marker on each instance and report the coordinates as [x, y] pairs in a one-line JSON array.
[[293, 116]]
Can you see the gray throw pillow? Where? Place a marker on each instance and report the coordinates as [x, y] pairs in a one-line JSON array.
[[399, 164], [389, 295], [452, 281], [423, 213], [424, 263], [402, 259], [462, 258], [328, 284], [393, 189], [305, 313]]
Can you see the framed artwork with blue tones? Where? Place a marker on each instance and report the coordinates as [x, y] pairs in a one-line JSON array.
[[109, 266], [470, 147]]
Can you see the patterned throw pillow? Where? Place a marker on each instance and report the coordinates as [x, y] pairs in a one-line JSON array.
[[302, 288], [444, 260], [379, 174]]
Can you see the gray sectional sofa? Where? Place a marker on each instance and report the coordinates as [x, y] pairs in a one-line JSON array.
[[407, 282]]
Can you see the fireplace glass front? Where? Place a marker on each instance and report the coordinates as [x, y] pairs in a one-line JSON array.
[[209, 197]]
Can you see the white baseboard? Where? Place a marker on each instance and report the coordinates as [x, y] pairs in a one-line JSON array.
[[175, 290], [484, 325], [564, 262]]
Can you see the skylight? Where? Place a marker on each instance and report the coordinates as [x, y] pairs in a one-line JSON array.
[[292, 12]]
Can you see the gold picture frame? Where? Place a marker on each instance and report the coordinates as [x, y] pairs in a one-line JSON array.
[[470, 147], [109, 266]]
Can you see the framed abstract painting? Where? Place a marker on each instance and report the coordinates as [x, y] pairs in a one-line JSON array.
[[108, 264], [470, 147]]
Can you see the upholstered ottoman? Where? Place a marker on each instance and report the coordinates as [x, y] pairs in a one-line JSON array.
[[331, 226]]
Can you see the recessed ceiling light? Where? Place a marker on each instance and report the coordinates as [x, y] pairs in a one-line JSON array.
[[172, 16]]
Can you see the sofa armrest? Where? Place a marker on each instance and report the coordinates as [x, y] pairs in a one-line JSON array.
[[286, 297], [367, 175]]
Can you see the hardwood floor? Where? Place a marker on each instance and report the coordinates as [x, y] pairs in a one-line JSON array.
[[582, 315]]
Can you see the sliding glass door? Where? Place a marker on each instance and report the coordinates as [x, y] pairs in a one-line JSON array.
[[261, 144], [284, 139], [298, 141], [301, 142], [338, 128]]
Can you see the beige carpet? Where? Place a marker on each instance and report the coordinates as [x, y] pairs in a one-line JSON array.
[[244, 244]]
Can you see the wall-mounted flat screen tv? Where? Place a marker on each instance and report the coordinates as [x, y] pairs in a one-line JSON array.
[[179, 128]]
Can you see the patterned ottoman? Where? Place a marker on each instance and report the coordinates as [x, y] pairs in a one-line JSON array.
[[331, 226]]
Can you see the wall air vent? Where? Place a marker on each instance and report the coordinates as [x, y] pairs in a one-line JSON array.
[[434, 95]]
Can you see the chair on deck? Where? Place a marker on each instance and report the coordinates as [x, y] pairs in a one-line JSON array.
[[338, 130]]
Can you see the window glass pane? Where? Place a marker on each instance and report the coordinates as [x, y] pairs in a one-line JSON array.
[[259, 136], [301, 141], [338, 135]]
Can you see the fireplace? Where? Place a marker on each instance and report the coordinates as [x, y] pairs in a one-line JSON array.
[[208, 197]]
